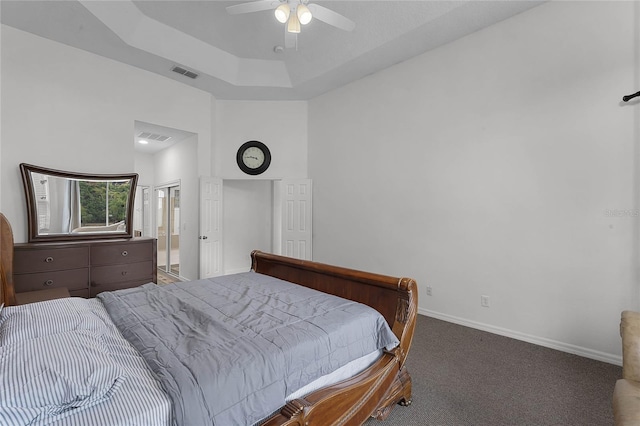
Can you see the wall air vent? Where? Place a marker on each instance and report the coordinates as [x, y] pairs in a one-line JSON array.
[[153, 137], [184, 72]]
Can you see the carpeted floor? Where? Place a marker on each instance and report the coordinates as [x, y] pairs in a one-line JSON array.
[[466, 377]]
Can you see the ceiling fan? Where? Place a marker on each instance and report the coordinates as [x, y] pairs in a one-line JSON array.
[[295, 13]]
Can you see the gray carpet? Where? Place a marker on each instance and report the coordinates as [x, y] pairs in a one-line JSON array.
[[462, 376]]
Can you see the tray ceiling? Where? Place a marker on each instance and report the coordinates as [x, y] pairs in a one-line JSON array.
[[237, 56]]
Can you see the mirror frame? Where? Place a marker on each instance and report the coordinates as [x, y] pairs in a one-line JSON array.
[[32, 214]]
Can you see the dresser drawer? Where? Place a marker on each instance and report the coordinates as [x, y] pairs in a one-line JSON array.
[[116, 286], [109, 254], [101, 275], [72, 279], [49, 259]]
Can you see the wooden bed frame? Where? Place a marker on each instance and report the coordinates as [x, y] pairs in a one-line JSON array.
[[372, 393], [375, 391], [7, 293]]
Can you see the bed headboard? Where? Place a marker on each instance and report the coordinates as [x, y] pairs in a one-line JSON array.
[[7, 293], [395, 298]]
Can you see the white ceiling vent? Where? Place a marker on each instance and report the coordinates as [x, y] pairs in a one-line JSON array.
[[184, 72], [153, 137]]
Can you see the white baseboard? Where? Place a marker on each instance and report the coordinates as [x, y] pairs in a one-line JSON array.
[[541, 341]]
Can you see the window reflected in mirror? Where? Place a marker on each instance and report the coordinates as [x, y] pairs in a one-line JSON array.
[[67, 205]]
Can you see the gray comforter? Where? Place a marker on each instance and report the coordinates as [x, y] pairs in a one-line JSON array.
[[228, 350]]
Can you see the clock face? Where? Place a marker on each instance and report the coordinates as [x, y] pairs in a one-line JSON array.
[[253, 157]]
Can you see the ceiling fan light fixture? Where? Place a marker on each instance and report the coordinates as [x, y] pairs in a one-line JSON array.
[[294, 24], [304, 14], [282, 13]]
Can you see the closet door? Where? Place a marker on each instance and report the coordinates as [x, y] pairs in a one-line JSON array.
[[292, 218], [210, 227]]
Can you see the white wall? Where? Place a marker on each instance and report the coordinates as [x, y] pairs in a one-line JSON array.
[[144, 166], [1, 207], [282, 126], [248, 216], [490, 166], [248, 205], [68, 109], [175, 164]]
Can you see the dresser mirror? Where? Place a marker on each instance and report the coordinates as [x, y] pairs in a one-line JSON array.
[[77, 206]]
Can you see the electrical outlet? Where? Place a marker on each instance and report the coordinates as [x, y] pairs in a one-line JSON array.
[[428, 290], [484, 301]]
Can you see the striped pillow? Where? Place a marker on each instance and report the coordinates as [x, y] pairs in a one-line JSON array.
[[20, 323], [51, 377]]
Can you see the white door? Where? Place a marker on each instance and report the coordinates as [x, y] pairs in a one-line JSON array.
[[210, 227], [292, 218]]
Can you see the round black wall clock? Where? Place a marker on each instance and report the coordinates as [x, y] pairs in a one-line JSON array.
[[253, 157]]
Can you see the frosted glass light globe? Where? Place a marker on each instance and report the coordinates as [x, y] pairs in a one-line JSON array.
[[282, 13], [304, 14]]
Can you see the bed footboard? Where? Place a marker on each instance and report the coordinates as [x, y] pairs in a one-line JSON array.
[[376, 390]]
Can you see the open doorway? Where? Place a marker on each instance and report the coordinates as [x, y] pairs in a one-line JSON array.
[[164, 158]]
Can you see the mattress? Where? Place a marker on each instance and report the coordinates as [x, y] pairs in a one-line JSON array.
[[64, 362], [228, 350]]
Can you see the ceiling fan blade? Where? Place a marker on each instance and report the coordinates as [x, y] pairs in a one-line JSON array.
[[330, 17], [254, 6]]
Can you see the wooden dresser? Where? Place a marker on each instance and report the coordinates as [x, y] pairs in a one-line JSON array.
[[85, 268]]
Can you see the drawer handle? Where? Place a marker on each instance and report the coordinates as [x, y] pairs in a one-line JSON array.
[[124, 253], [48, 283], [49, 259], [124, 272]]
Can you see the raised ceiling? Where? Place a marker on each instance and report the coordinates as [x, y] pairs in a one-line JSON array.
[[235, 56]]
